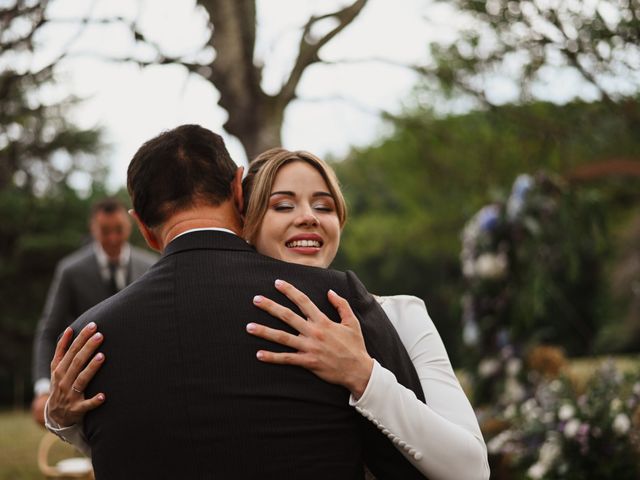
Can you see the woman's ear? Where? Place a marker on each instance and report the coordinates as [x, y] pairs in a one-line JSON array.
[[149, 235]]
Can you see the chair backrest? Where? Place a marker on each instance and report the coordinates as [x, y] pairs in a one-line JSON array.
[[69, 468]]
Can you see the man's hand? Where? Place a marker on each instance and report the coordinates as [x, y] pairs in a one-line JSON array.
[[70, 375], [335, 352], [37, 407]]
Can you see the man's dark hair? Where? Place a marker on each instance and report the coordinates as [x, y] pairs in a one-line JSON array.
[[106, 205], [177, 169]]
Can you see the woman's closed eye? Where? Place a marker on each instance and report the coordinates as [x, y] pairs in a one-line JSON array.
[[282, 206], [323, 207]]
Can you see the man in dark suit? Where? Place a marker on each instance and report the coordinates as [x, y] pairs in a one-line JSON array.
[[83, 279], [186, 397]]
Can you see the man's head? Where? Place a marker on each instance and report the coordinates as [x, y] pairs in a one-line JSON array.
[[110, 225], [181, 169]]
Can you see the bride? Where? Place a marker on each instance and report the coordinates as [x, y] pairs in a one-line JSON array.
[[295, 212]]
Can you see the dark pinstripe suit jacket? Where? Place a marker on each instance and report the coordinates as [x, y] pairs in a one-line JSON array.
[[186, 397]]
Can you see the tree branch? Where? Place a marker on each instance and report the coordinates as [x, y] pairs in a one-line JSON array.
[[308, 49]]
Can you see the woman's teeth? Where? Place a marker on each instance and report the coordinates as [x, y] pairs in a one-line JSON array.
[[303, 243]]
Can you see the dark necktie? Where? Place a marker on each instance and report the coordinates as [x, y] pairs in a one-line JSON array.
[[112, 285]]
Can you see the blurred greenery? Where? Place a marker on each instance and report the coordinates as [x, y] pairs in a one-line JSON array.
[[45, 160], [411, 194]]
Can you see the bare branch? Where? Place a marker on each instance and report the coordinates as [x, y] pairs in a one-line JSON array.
[[351, 102], [308, 49], [574, 61]]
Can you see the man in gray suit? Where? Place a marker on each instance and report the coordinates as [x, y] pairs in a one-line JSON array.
[[83, 279]]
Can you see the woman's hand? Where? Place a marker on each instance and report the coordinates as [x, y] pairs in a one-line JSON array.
[[70, 375], [335, 352]]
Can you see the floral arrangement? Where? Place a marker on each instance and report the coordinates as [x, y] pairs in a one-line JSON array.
[[531, 273], [565, 432]]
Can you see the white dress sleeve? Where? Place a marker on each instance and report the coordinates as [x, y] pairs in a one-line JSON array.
[[442, 437], [73, 434]]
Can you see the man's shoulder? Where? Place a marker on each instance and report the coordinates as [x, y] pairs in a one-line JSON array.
[[77, 258]]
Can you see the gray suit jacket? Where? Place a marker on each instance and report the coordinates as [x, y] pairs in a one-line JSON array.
[[76, 287]]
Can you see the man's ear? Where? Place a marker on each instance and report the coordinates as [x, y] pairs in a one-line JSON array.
[[149, 235], [236, 188]]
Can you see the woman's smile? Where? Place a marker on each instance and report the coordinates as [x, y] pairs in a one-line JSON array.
[[301, 224]]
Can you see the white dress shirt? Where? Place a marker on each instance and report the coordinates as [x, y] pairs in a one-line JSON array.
[[121, 271]]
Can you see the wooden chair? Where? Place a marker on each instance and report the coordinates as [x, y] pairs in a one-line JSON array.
[[72, 468]]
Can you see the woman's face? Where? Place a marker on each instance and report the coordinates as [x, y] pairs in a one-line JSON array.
[[301, 224]]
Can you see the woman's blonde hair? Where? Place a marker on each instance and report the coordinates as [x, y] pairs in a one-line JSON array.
[[261, 176]]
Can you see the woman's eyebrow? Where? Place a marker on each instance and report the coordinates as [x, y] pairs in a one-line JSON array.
[[283, 192], [322, 194], [289, 193]]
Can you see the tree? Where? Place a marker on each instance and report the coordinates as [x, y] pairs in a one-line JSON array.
[[39, 147], [43, 218], [255, 117], [528, 42]]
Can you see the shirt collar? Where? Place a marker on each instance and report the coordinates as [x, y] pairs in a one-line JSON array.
[[216, 229], [103, 258]]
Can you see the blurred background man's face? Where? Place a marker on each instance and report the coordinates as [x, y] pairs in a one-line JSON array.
[[111, 230]]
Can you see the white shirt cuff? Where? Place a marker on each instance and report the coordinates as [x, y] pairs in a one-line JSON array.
[[41, 387], [72, 434]]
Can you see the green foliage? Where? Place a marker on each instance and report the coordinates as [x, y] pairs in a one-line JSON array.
[[35, 233], [410, 195]]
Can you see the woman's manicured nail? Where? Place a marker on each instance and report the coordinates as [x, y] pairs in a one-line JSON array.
[[251, 327], [97, 337], [92, 326], [260, 355], [101, 397], [279, 283], [257, 298], [100, 357]]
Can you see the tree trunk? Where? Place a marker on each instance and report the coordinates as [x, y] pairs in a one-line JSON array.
[[255, 117]]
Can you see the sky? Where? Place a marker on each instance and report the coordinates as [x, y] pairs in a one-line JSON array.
[[339, 105]]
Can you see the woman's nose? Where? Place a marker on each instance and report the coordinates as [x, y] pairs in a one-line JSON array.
[[307, 219]]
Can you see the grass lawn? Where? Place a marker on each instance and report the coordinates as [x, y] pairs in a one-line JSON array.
[[19, 440]]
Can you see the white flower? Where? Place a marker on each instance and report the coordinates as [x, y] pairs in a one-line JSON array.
[[616, 405], [536, 471], [528, 406], [496, 444], [488, 367], [510, 411], [571, 428], [621, 424], [521, 188], [555, 386], [491, 266], [513, 391], [550, 451], [514, 366], [566, 412]]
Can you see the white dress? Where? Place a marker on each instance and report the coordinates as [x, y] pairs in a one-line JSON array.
[[442, 437]]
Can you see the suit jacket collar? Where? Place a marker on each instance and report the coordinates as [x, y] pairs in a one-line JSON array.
[[207, 240]]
